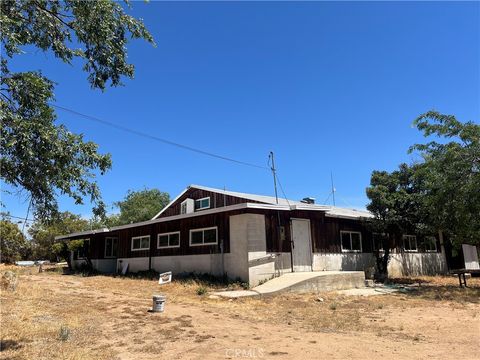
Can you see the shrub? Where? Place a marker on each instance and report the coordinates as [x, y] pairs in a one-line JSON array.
[[64, 333], [201, 290]]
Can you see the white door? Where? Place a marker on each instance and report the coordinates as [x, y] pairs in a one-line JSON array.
[[302, 245]]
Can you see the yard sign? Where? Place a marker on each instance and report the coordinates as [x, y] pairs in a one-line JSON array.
[[165, 278]]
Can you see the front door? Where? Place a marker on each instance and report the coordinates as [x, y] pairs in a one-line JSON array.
[[302, 245]]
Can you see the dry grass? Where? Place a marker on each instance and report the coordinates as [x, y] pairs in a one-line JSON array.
[[72, 317]]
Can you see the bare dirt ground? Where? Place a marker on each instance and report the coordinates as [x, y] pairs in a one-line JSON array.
[[54, 316]]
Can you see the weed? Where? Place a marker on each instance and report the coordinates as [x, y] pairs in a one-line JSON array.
[[245, 285], [333, 306], [64, 333], [201, 290]]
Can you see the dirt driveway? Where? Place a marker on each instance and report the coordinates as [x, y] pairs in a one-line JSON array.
[[100, 317]]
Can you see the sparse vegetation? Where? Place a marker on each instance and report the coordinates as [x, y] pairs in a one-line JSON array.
[[96, 312], [201, 290], [64, 333]]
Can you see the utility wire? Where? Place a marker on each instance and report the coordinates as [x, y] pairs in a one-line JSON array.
[[156, 138], [15, 217], [283, 192]]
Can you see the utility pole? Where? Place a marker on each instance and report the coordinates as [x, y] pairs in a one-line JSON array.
[[274, 175], [333, 189]]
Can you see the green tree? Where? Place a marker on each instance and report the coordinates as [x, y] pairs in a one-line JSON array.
[[14, 246], [141, 205], [63, 249], [451, 167], [397, 203], [43, 234], [38, 155], [440, 193]]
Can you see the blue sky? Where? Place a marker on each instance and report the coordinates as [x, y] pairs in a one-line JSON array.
[[329, 87]]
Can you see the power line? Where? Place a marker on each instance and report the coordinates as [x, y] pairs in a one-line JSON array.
[[283, 192], [156, 138], [15, 217]]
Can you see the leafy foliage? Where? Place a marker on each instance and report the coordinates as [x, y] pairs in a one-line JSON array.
[[452, 173], [141, 205], [13, 244], [397, 201], [441, 193], [38, 155], [43, 234]]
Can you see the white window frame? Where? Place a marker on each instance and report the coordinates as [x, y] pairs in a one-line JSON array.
[[105, 249], [203, 236], [373, 242], [350, 232], [168, 234], [78, 255], [140, 237], [200, 200], [410, 237], [433, 239], [182, 204]]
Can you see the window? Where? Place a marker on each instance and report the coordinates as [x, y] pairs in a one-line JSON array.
[[141, 243], [83, 251], [207, 236], [111, 245], [168, 240], [203, 203], [410, 242], [183, 207], [430, 244], [377, 241], [351, 241]]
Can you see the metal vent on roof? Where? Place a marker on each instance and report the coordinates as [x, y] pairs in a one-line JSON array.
[[308, 200]]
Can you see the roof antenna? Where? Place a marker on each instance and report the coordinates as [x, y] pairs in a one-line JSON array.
[[270, 157], [333, 189], [224, 196]]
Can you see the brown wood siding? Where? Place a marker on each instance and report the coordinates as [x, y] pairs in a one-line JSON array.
[[216, 200], [329, 240], [325, 234], [325, 231]]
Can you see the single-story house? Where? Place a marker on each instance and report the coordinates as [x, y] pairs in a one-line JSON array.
[[252, 238]]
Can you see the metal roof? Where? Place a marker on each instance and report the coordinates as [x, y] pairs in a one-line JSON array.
[[269, 202]]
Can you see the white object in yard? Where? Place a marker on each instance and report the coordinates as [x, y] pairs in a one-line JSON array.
[[24, 263], [165, 277], [470, 257], [124, 268], [158, 303]]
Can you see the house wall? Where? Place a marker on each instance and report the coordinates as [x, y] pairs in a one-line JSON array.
[[250, 246], [135, 264], [414, 264], [203, 263], [236, 263]]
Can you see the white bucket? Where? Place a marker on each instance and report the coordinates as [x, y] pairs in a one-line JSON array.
[[158, 303]]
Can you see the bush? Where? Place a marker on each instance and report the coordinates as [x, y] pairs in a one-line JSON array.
[[64, 333], [201, 290]]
